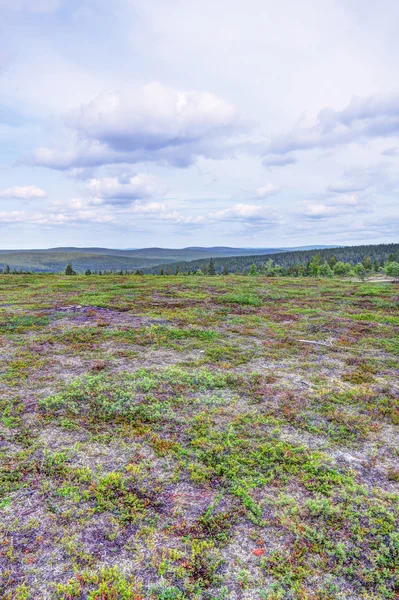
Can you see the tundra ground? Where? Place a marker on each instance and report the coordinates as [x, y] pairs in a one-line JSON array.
[[198, 438]]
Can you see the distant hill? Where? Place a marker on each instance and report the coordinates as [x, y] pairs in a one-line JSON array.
[[55, 259], [55, 262], [287, 258]]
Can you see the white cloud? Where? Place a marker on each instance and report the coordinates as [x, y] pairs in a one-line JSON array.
[[123, 190], [27, 192], [266, 190], [245, 212], [175, 217], [150, 208], [14, 216], [153, 123], [340, 205]]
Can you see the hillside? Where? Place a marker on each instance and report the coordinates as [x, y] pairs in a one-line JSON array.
[[353, 254], [55, 262], [198, 438]]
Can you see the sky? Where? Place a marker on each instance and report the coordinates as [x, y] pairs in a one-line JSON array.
[[256, 123]]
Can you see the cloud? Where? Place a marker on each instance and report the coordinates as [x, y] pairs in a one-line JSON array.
[[176, 217], [363, 119], [15, 216], [35, 6], [378, 177], [273, 160], [343, 187], [154, 123], [340, 205], [123, 190], [391, 151], [266, 190], [245, 213], [27, 192], [94, 209]]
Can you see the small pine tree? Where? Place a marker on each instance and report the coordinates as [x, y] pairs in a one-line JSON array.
[[268, 268], [314, 266], [7, 269], [225, 270], [211, 267], [87, 272], [253, 270], [69, 270], [332, 261]]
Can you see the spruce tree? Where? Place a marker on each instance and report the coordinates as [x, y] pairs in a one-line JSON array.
[[211, 268], [253, 270]]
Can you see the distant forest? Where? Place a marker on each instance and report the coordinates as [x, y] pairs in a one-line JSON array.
[[374, 256]]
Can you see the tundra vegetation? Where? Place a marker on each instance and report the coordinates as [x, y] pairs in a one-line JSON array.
[[206, 438]]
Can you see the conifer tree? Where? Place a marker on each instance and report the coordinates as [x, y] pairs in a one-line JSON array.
[[69, 270], [253, 270], [211, 268]]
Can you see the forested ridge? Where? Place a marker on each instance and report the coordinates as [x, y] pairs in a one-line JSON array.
[[375, 254]]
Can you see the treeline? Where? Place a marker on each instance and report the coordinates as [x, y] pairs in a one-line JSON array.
[[8, 271], [312, 268], [290, 263], [69, 270]]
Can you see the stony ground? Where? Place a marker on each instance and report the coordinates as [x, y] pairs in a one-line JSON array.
[[198, 437]]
